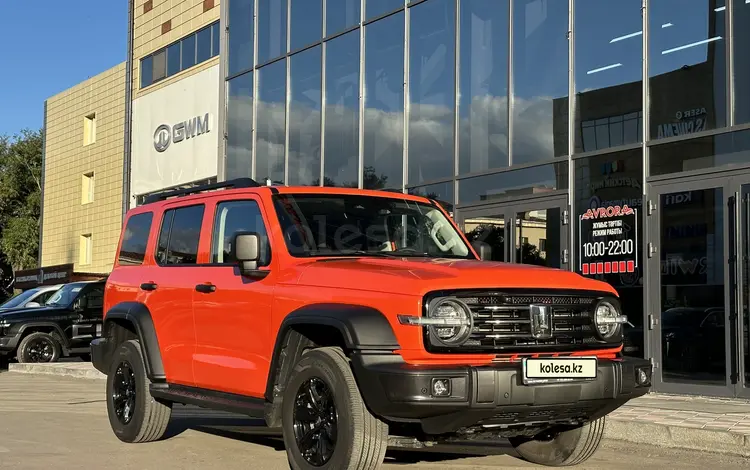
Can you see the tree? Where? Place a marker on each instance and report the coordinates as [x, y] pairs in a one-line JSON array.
[[20, 198]]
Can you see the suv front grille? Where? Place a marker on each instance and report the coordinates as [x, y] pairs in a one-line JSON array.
[[502, 323]]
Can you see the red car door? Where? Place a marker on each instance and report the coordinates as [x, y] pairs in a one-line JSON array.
[[232, 312], [167, 286]]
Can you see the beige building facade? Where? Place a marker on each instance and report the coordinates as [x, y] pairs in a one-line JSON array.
[[83, 167]]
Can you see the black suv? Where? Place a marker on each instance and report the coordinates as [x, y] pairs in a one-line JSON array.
[[64, 326]]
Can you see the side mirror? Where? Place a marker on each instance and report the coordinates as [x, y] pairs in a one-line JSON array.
[[483, 250], [78, 305], [33, 305], [247, 252]]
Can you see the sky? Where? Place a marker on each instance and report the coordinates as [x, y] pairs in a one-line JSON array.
[[48, 46]]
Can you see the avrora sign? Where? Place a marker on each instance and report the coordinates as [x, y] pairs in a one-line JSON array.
[[608, 240], [166, 134]]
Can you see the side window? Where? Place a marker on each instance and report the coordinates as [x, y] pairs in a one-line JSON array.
[[43, 298], [179, 236], [95, 298], [233, 217], [133, 249]]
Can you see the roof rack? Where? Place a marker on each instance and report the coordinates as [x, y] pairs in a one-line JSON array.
[[229, 184]]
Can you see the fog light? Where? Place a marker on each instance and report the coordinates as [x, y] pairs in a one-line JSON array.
[[441, 387], [643, 376]]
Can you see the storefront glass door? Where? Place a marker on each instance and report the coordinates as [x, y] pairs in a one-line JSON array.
[[533, 232], [698, 247]]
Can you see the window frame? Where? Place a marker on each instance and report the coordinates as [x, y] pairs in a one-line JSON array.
[[215, 224], [145, 83], [164, 214]]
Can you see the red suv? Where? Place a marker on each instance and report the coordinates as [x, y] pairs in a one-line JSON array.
[[344, 316]]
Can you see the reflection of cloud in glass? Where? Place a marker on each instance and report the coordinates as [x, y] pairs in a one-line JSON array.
[[384, 131], [533, 134]]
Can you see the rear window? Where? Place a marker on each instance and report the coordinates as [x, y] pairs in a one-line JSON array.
[[133, 249]]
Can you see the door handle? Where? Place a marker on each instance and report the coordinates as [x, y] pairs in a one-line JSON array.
[[205, 288], [148, 286]]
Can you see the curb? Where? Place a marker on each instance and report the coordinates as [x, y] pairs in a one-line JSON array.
[[76, 370], [678, 437]]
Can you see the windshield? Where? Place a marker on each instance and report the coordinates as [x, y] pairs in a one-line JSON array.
[[341, 225], [64, 296], [19, 299]]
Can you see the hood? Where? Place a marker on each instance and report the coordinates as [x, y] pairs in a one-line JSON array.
[[420, 275], [16, 314]]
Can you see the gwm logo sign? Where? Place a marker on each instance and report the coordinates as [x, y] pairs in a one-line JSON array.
[[166, 134]]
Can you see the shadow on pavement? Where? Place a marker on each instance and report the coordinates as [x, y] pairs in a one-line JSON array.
[[253, 431]]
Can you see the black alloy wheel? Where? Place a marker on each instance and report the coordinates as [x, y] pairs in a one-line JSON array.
[[124, 392], [40, 349], [315, 422]]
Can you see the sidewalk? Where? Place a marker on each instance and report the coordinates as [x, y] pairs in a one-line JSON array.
[[676, 421], [681, 421]]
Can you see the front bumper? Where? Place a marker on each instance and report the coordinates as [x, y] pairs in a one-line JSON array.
[[490, 395], [9, 343]]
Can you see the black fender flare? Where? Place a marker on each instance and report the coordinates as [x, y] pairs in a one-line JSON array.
[[43, 324], [139, 316], [362, 328]]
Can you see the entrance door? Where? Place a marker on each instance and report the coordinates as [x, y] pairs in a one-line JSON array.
[[698, 257], [529, 232]]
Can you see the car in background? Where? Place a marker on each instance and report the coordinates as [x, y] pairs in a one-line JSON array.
[[63, 327], [35, 297]]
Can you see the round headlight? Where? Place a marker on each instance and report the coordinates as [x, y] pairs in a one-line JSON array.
[[458, 321], [605, 319]]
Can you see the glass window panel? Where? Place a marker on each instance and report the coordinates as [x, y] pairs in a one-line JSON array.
[[693, 303], [695, 154], [540, 80], [384, 105], [304, 117], [524, 182], [375, 8], [307, 22], [483, 107], [615, 179], [135, 239], [687, 67], [185, 235], [188, 52], [608, 77], [233, 217], [160, 65], [342, 111], [341, 14], [432, 90], [240, 35], [173, 59], [271, 125], [741, 18], [240, 126], [271, 29], [216, 41], [204, 44], [147, 71]]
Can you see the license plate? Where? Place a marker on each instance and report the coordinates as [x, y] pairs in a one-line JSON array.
[[558, 369]]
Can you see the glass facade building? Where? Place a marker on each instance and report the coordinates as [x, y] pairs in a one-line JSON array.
[[520, 116]]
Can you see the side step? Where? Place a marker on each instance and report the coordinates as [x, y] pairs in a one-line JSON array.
[[210, 399]]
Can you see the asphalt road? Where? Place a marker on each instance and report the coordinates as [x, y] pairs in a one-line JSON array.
[[57, 422]]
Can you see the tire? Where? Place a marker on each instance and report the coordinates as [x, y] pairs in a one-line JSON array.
[[137, 417], [566, 448], [38, 348], [359, 438]]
